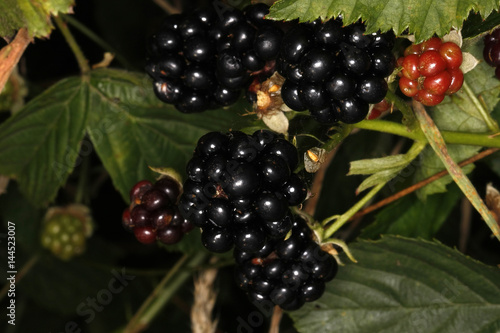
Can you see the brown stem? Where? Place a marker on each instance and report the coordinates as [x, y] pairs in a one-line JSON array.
[[465, 221], [166, 6], [312, 202], [276, 320], [421, 184], [10, 55]]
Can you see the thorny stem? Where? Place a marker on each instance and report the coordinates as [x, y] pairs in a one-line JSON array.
[[438, 144], [10, 55], [420, 184], [75, 48]]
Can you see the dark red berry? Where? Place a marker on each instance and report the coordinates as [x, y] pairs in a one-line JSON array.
[[145, 235]]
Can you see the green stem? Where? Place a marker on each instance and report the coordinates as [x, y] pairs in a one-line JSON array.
[[342, 219], [409, 119], [80, 57], [337, 138], [391, 128], [82, 181], [490, 122], [164, 291], [450, 137], [96, 39]]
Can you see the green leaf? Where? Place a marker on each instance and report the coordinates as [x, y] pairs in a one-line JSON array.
[[131, 129], [406, 285], [411, 217], [31, 14], [465, 118], [39, 144], [422, 18], [385, 168], [475, 25]]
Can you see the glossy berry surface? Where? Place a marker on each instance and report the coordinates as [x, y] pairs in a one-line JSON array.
[[235, 50], [331, 69], [294, 270], [431, 70], [491, 51], [236, 190], [203, 60], [153, 213]]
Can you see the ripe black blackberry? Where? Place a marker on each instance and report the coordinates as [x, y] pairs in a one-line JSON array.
[[288, 271], [334, 71], [153, 213], [191, 55], [239, 189]]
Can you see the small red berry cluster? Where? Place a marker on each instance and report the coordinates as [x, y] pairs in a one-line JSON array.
[[153, 213], [491, 51], [431, 70]]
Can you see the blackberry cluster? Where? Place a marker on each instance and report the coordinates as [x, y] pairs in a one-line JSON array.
[[153, 213], [335, 72], [431, 70], [287, 272], [239, 189], [491, 51], [204, 60]]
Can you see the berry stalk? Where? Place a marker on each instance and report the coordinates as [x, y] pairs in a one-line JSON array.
[[342, 219], [450, 137], [75, 48]]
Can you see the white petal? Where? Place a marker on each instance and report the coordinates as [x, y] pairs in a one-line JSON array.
[[468, 62], [277, 121]]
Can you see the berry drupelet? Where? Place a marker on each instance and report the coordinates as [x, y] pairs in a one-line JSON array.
[[287, 271], [239, 189], [153, 213]]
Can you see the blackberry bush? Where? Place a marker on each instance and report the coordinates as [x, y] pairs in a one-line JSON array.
[[382, 229]]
